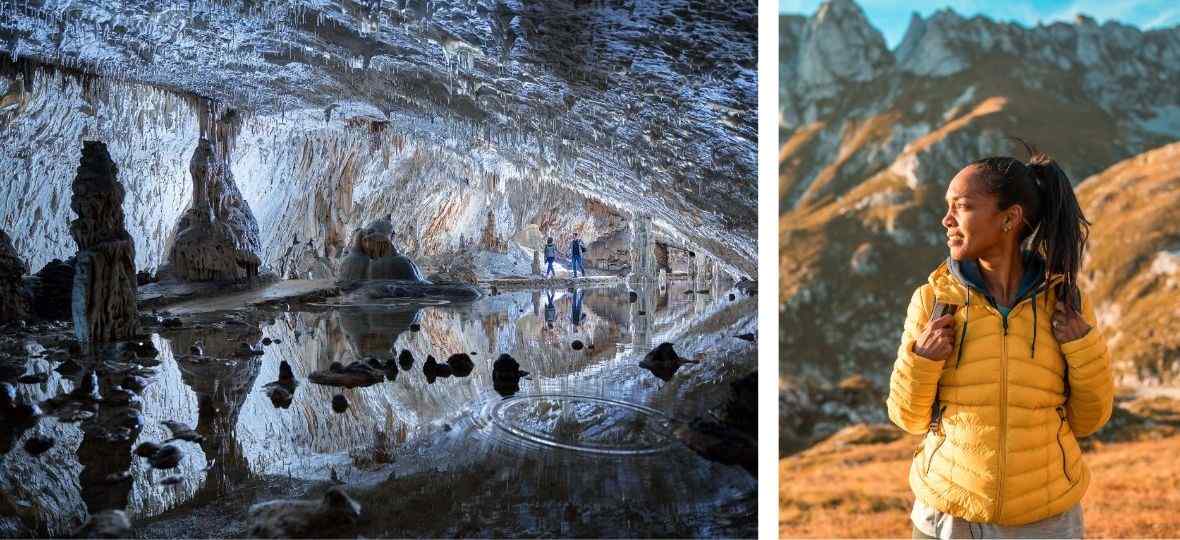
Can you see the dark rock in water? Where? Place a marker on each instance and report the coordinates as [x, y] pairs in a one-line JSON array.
[[279, 396], [277, 341], [632, 297], [663, 361], [37, 445], [434, 370], [266, 341], [641, 312], [703, 291], [88, 387], [68, 368], [577, 345], [143, 277], [506, 375], [374, 363], [167, 457], [415, 327], [143, 348], [405, 360], [331, 516], [732, 297], [747, 337], [461, 364], [171, 480], [196, 350], [734, 439], [285, 373], [339, 404], [350, 376], [182, 432], [172, 323], [130, 419], [690, 291], [106, 524], [33, 378], [51, 295], [147, 449]]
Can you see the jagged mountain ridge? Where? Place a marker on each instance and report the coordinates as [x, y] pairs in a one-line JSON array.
[[866, 153]]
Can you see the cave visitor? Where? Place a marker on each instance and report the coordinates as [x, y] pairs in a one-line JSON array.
[[576, 308], [550, 309], [550, 256], [1003, 381], [577, 248]]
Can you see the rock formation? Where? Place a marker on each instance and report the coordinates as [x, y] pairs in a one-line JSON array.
[[217, 237], [52, 291], [14, 299], [104, 274], [371, 255]]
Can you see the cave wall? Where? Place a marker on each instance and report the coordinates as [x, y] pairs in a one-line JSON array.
[[304, 176], [150, 134], [310, 180]]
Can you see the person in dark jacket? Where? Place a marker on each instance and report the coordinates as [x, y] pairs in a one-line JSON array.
[[550, 256], [577, 248]]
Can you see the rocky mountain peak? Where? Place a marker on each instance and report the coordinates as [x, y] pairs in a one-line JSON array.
[[840, 45]]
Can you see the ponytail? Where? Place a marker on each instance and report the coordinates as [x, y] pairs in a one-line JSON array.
[[1063, 230], [1054, 227]]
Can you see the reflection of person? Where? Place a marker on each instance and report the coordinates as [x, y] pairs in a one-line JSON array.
[[1002, 386], [550, 255], [576, 308], [577, 249], [550, 309]]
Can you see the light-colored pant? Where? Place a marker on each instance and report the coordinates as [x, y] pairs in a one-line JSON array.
[[930, 523]]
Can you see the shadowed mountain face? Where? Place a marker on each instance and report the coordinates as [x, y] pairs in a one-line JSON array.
[[871, 137], [635, 104]]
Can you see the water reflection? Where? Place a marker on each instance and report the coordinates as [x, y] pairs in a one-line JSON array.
[[415, 438]]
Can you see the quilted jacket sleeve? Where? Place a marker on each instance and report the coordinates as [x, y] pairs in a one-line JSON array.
[[914, 381], [1091, 381]]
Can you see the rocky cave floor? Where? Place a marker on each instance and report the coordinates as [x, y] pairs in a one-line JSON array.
[[526, 412]]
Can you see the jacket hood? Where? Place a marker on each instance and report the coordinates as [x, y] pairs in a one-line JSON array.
[[952, 279]]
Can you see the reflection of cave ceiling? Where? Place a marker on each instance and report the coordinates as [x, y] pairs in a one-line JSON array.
[[642, 102]]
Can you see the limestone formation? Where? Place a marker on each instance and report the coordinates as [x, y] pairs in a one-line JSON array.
[[104, 273], [14, 299], [217, 237], [371, 255], [51, 294]]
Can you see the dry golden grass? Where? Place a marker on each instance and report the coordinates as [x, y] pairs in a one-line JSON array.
[[862, 491]]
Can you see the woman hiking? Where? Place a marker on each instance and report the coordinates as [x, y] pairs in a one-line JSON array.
[[1001, 364]]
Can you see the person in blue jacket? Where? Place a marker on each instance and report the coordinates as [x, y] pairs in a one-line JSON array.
[[577, 248]]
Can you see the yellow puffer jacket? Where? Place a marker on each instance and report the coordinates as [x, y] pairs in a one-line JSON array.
[[1000, 447]]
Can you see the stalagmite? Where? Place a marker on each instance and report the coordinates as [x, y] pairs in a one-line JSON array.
[[371, 255], [14, 299], [104, 275], [217, 237]]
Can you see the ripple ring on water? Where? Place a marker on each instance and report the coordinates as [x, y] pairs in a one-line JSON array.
[[498, 418]]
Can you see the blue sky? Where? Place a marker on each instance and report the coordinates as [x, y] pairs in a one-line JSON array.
[[892, 16]]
